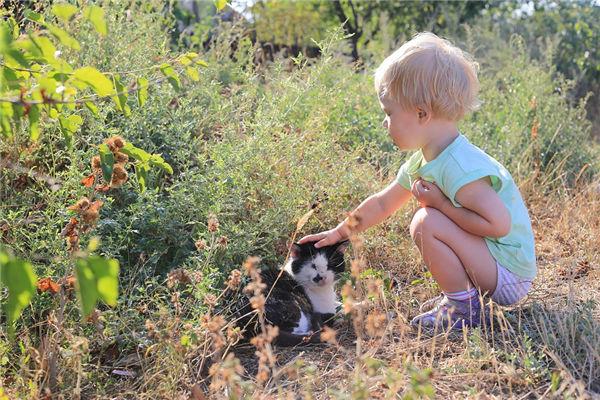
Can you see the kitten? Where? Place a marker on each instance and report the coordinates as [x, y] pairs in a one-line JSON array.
[[302, 299]]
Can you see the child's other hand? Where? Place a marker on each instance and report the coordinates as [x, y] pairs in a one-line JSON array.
[[428, 194], [325, 238]]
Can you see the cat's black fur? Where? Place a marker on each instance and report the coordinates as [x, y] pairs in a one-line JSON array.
[[290, 298]]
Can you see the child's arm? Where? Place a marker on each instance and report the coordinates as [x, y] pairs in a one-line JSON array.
[[371, 211], [482, 212]]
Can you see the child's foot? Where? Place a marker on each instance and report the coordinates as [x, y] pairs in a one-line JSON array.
[[451, 314], [429, 304]]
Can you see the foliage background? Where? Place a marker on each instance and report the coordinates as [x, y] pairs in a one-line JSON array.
[[258, 144]]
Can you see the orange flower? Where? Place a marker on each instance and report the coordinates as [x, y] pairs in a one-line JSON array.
[[88, 181], [47, 285]]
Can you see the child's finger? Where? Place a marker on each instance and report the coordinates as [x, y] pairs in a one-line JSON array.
[[321, 243], [414, 190], [311, 238]]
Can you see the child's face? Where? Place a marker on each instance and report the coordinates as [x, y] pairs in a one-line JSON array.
[[405, 127]]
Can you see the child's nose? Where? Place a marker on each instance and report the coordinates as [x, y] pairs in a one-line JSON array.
[[385, 123]]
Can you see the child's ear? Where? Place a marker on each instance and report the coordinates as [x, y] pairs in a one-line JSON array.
[[342, 246], [423, 114]]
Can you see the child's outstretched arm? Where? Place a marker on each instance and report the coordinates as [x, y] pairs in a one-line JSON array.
[[371, 211], [482, 212]]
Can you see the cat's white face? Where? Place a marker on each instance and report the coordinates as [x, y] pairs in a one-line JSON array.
[[316, 268], [314, 272]]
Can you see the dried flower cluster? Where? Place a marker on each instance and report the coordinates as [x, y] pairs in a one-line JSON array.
[[235, 279], [178, 276], [213, 223], [214, 327], [200, 244], [256, 286], [88, 210], [264, 352], [227, 374], [119, 174]]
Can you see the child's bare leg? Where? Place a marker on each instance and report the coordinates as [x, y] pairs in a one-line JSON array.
[[457, 259]]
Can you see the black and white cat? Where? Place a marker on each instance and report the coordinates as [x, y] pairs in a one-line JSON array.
[[302, 299]]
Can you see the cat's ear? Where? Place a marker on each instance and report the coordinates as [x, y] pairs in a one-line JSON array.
[[295, 250], [342, 246]]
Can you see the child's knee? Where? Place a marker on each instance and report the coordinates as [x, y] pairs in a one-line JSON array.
[[423, 222]]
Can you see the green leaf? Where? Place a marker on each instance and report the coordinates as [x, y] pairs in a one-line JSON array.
[[8, 79], [18, 277], [6, 114], [95, 79], [193, 73], [34, 118], [92, 107], [97, 279], [107, 161], [185, 340], [17, 57], [64, 11], [63, 37], [191, 57], [35, 17], [96, 16], [220, 4], [158, 161], [135, 152], [121, 98], [46, 48], [141, 172], [5, 37], [171, 75], [69, 125], [142, 91]]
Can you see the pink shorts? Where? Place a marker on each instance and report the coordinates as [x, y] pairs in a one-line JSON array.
[[510, 287]]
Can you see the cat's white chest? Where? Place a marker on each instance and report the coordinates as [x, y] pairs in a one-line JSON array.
[[323, 299]]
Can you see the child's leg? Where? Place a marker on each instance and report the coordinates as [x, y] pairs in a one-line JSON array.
[[460, 263], [457, 259]]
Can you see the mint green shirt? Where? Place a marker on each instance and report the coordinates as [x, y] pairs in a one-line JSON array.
[[461, 163]]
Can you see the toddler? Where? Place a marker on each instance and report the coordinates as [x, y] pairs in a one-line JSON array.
[[472, 230]]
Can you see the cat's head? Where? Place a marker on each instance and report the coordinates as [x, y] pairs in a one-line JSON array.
[[312, 267]]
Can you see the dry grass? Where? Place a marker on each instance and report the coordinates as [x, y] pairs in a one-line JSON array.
[[547, 347]]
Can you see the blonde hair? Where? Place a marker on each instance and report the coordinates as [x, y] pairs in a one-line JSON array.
[[432, 73]]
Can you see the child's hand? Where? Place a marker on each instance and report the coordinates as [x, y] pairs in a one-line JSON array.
[[325, 238], [428, 194]]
